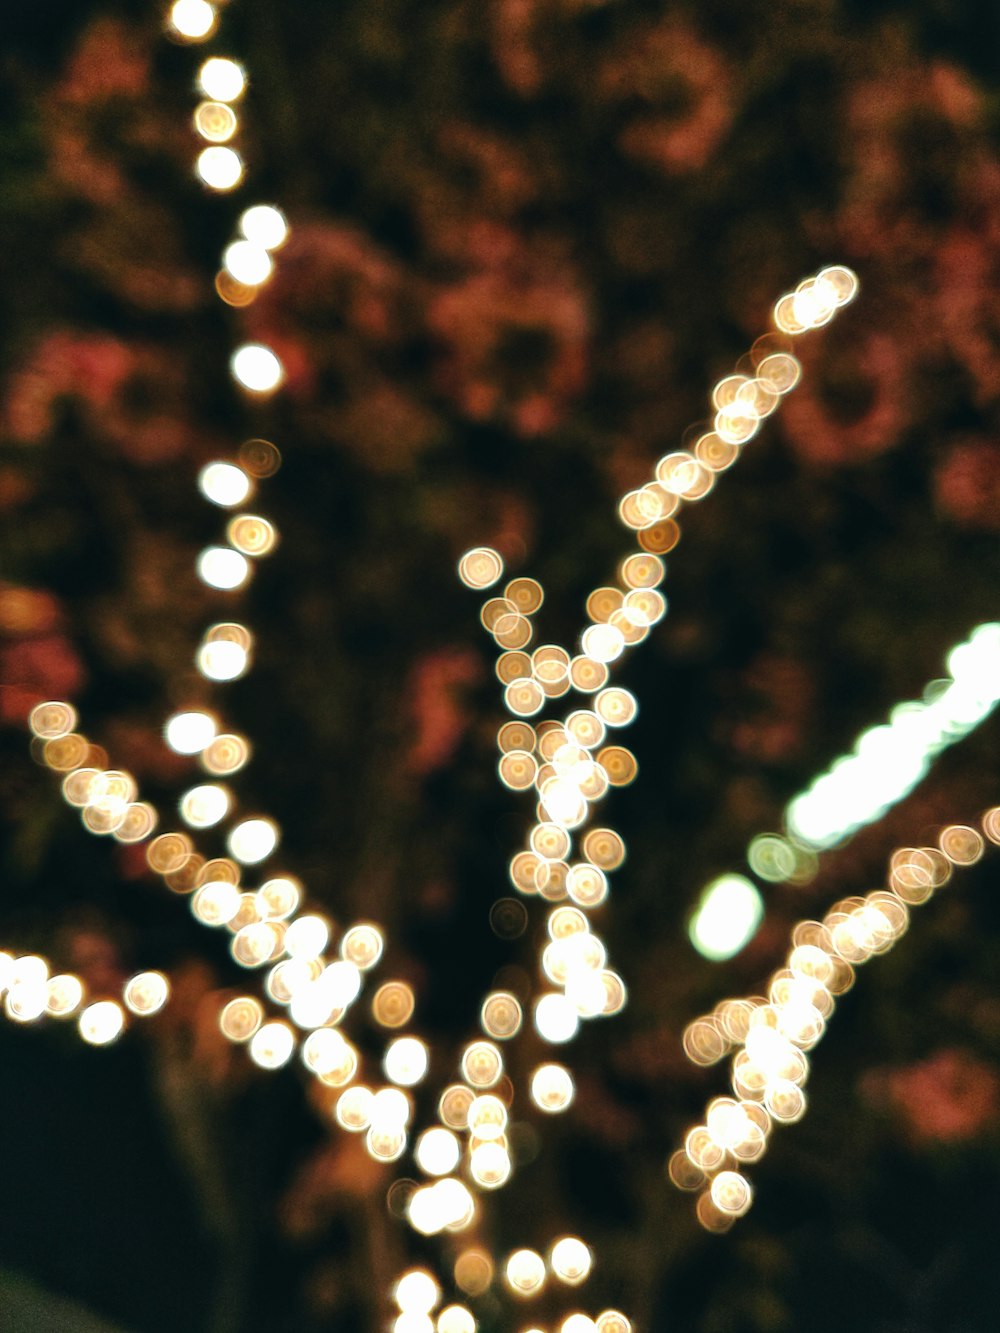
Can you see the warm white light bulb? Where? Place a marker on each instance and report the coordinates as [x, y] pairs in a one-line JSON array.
[[101, 1023], [223, 568], [257, 368], [193, 19], [556, 1019], [438, 1151], [417, 1292], [220, 168], [221, 79], [224, 484], [727, 917], [272, 1045], [265, 226], [248, 262], [205, 805], [405, 1061], [253, 840], [222, 659], [190, 733]]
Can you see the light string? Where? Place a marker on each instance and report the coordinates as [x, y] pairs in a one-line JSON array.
[[884, 766], [269, 923], [556, 759], [770, 1035], [568, 763]]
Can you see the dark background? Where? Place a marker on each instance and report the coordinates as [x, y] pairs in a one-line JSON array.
[[528, 235]]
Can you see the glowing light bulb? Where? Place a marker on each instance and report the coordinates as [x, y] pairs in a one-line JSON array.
[[726, 918], [193, 19], [570, 1260], [215, 121], [64, 995], [248, 262], [438, 1151], [417, 1292], [731, 1193], [307, 936], [264, 225], [552, 1088], [577, 1323], [221, 79], [204, 806], [190, 733], [343, 982], [556, 1019], [390, 1107], [385, 1143], [413, 1321], [223, 568], [256, 367], [456, 1319], [272, 1045], [490, 1165], [253, 840], [406, 1061], [224, 484], [222, 659], [53, 719], [362, 945], [354, 1108], [216, 902], [220, 168], [101, 1023], [146, 993], [329, 1054], [613, 1321], [525, 1272]]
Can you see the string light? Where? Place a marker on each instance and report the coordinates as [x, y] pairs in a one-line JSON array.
[[264, 225], [192, 19], [221, 79], [727, 917], [566, 793], [255, 366], [220, 168], [771, 1036]]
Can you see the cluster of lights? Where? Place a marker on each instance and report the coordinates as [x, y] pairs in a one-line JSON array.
[[526, 1273], [263, 924], [221, 82], [568, 764], [611, 1321], [105, 797], [31, 992], [569, 1261], [888, 761], [770, 1037], [859, 788], [417, 1295]]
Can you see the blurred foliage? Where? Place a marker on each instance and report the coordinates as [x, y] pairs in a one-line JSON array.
[[527, 237]]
